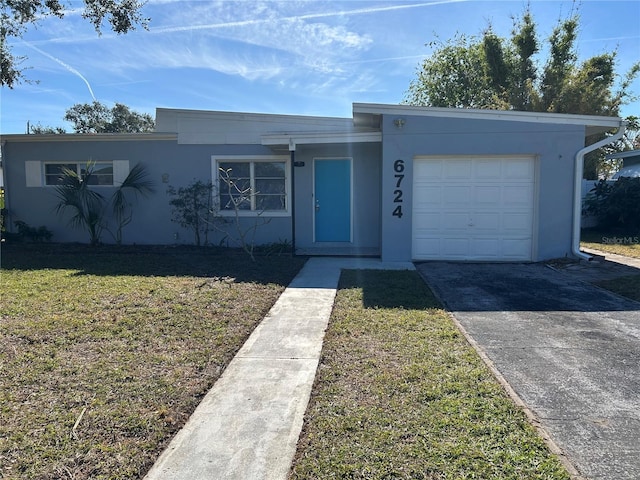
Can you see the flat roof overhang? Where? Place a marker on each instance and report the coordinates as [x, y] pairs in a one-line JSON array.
[[368, 115], [88, 137], [291, 140]]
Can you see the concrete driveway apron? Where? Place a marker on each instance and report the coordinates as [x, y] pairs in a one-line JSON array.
[[570, 350]]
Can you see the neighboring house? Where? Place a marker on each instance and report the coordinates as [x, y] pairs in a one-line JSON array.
[[629, 158], [400, 182], [630, 164]]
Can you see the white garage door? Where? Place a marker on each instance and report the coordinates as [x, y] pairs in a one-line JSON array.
[[473, 208]]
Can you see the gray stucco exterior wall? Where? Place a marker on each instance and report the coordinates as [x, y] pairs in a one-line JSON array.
[[179, 165], [378, 141], [366, 183], [554, 147]]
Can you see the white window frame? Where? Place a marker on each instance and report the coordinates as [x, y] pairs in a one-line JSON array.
[[35, 171], [216, 160]]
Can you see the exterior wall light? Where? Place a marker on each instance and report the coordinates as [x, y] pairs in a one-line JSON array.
[[399, 122]]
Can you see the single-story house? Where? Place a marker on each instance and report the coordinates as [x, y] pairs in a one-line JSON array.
[[629, 158], [394, 181]]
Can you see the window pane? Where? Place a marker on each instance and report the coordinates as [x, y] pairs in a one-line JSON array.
[[270, 202], [235, 186], [227, 202], [265, 190], [269, 169], [236, 169], [54, 172], [269, 186], [102, 174]]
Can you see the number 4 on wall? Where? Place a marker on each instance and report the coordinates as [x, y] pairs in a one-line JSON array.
[[398, 167]]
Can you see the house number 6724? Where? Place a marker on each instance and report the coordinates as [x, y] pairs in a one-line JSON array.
[[398, 168]]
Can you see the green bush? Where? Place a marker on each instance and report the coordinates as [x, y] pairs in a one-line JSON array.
[[32, 234], [616, 204]]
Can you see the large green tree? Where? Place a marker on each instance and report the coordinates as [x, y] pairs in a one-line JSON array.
[[492, 72], [98, 118], [17, 16]]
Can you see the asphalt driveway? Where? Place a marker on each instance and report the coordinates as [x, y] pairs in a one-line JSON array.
[[570, 350]]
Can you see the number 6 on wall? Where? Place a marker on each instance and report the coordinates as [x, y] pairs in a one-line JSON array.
[[398, 167]]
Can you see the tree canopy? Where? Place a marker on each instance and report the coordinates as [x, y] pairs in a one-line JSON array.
[[98, 118], [16, 16], [491, 72]]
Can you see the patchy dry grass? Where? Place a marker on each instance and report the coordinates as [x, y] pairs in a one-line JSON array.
[[621, 244], [104, 353], [400, 394]]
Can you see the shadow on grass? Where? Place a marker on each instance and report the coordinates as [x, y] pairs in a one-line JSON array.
[[163, 261], [390, 289]]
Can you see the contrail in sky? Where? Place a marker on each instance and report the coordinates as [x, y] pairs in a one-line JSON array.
[[309, 16], [60, 62]]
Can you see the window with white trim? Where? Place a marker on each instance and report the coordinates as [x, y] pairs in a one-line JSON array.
[[105, 173], [102, 172], [254, 185]]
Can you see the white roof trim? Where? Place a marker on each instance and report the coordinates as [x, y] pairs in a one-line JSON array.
[[87, 137], [604, 123], [251, 116], [321, 138]]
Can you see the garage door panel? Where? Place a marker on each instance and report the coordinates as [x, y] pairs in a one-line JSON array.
[[457, 195], [519, 169], [518, 196], [460, 169], [485, 248], [431, 196], [454, 221], [428, 170], [487, 195], [516, 248], [519, 223], [487, 221], [429, 247], [487, 169], [428, 222], [455, 246], [473, 209]]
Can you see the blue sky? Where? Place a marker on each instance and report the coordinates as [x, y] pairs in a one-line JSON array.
[[291, 57]]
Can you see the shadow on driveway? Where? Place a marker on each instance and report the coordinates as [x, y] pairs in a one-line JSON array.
[[570, 350], [517, 287]]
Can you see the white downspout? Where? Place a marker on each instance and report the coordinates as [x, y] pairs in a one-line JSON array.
[[577, 188]]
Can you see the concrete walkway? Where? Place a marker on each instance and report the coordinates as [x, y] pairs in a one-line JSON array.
[[247, 426]]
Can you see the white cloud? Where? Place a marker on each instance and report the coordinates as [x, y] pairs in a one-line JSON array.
[[317, 45]]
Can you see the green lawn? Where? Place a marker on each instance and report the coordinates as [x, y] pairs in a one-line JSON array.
[[400, 394], [621, 244], [105, 352]]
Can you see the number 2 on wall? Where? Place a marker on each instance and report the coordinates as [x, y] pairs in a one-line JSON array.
[[398, 167]]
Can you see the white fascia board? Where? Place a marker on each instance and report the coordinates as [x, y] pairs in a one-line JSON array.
[[597, 123], [321, 138], [251, 117], [86, 137]]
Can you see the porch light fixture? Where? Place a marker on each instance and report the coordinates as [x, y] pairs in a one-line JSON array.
[[399, 122]]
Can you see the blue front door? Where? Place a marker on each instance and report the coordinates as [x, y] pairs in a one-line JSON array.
[[332, 200]]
